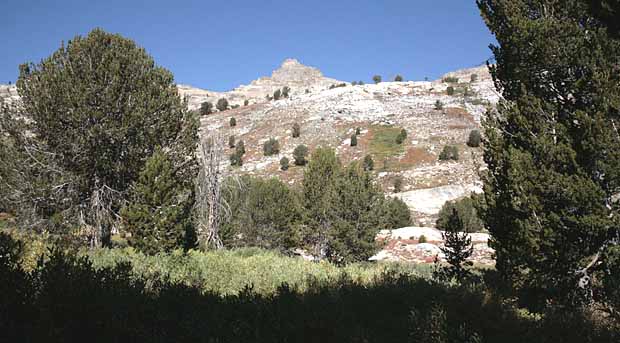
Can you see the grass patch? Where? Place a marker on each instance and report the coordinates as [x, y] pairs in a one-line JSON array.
[[383, 143]]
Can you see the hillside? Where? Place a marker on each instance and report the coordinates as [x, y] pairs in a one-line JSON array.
[[329, 115]]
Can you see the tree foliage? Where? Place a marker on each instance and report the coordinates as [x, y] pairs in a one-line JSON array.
[[206, 108], [299, 154], [271, 147], [222, 104], [158, 214], [553, 149], [95, 111], [376, 79], [466, 211]]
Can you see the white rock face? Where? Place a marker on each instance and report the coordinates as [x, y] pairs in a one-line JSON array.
[[8, 93], [291, 73]]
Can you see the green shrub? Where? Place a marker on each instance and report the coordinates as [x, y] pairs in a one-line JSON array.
[[450, 90], [246, 102], [236, 159], [398, 184], [358, 131], [422, 239], [284, 163], [474, 139], [376, 78], [450, 79], [466, 211], [277, 94], [402, 135], [449, 152], [285, 91], [438, 105], [240, 147], [299, 155], [354, 83], [233, 122], [271, 147], [398, 78], [353, 140], [222, 104], [296, 130], [231, 142], [368, 164], [206, 108]]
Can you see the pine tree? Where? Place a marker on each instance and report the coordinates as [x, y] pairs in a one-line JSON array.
[[376, 79], [398, 78], [553, 149], [353, 140], [233, 122], [158, 215], [206, 108], [277, 94], [474, 139], [100, 119], [222, 104], [457, 248], [271, 147], [438, 105], [231, 142], [285, 91]]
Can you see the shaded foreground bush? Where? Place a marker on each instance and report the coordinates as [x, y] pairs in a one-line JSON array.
[[66, 299]]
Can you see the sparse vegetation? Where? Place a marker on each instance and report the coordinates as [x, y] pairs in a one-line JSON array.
[[358, 131], [473, 78], [422, 239], [277, 94], [246, 102], [231, 141], [285, 91], [376, 79], [233, 122], [271, 147], [450, 90], [449, 152], [450, 79], [383, 143], [398, 78]]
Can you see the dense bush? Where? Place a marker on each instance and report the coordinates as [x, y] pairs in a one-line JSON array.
[[449, 152], [466, 211], [206, 108], [271, 147], [119, 295], [284, 163], [299, 154], [222, 104], [474, 139]]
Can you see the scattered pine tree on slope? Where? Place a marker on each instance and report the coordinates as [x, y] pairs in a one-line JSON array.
[[553, 151], [158, 214]]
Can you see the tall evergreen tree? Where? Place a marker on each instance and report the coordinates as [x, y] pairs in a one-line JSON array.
[[96, 108], [553, 149], [158, 214]]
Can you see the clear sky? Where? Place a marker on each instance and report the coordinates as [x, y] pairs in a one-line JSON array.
[[219, 45]]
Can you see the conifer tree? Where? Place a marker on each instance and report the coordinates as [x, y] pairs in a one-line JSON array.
[[553, 150], [284, 163], [368, 163], [296, 130], [299, 154], [457, 248], [158, 214], [353, 140], [98, 107], [206, 108], [222, 104]]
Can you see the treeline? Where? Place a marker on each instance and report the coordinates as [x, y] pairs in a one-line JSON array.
[[335, 214]]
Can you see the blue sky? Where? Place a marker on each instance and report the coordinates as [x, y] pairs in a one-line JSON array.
[[219, 45]]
